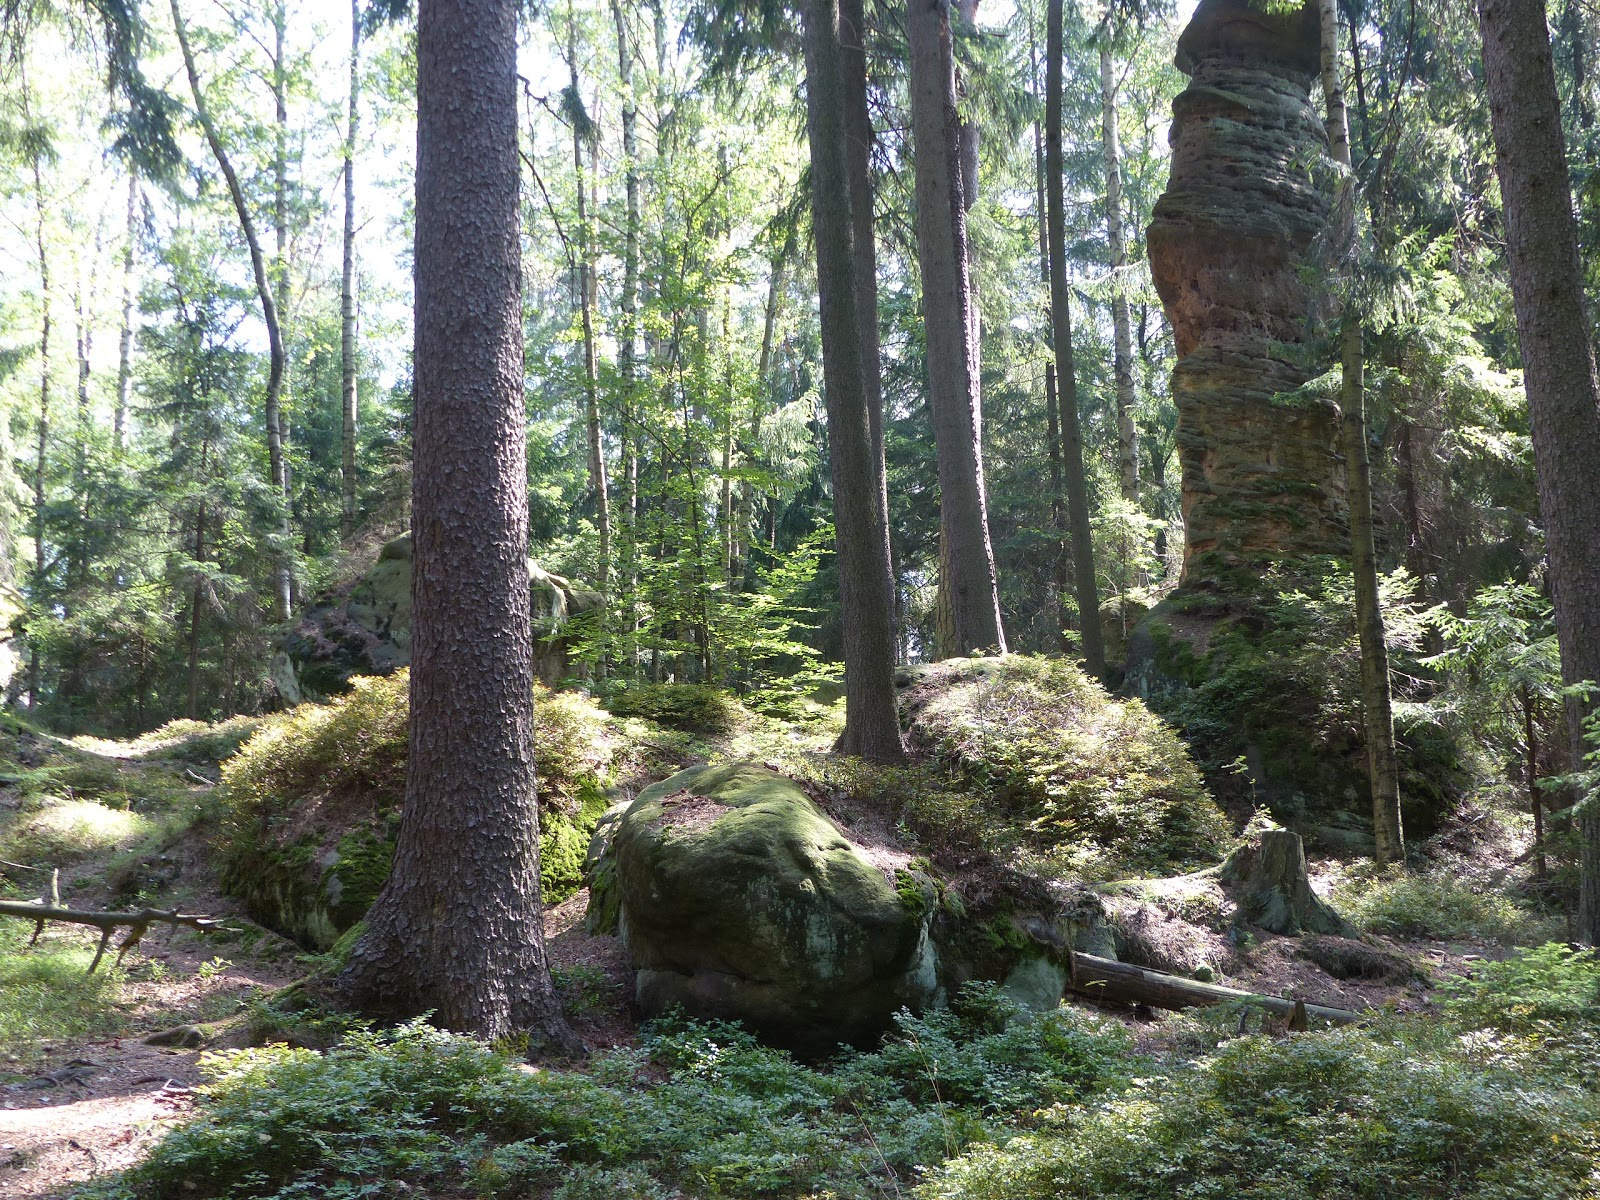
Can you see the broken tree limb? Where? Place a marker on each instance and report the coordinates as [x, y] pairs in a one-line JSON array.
[[1107, 979], [136, 923]]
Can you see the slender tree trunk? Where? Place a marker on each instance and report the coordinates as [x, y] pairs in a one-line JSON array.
[[591, 362], [458, 927], [119, 423], [1530, 746], [283, 601], [1077, 488], [347, 289], [1377, 713], [627, 335], [280, 268], [952, 358], [866, 585], [42, 447], [967, 141], [197, 595], [1122, 336], [1058, 513], [859, 139], [1558, 361]]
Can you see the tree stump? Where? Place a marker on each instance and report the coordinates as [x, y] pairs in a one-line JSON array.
[[1274, 892]]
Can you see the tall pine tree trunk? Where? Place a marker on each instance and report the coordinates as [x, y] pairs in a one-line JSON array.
[[1377, 716], [458, 927], [1121, 327], [283, 599], [1077, 488], [1558, 361], [866, 586], [967, 559], [347, 290]]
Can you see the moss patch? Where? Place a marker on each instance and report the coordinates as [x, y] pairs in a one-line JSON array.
[[1096, 785], [311, 804]]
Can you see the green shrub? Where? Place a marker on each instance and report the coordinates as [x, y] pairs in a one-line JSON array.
[[311, 803], [1540, 990], [1100, 785], [691, 707], [1439, 906], [702, 1109], [1326, 1116]]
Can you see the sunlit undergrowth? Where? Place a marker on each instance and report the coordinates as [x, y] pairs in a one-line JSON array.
[[46, 993], [699, 1109], [1095, 786], [1495, 1100]]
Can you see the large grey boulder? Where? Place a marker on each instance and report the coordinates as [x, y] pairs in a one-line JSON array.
[[364, 628], [738, 898]]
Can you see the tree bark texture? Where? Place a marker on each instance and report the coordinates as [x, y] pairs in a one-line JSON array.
[[347, 290], [1117, 244], [866, 585], [458, 927], [952, 357], [1077, 489], [1558, 359], [1377, 710], [276, 468]]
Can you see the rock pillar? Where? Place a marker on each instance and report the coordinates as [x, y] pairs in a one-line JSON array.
[[1230, 249]]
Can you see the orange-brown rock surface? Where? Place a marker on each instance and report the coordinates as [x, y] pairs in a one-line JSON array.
[[1230, 246]]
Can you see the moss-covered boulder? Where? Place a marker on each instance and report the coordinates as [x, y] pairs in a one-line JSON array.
[[364, 628], [737, 897], [1095, 786], [311, 804]]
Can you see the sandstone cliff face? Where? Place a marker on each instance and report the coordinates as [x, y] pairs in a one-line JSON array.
[[1229, 246]]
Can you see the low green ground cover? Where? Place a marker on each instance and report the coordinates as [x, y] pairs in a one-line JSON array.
[[1494, 1098]]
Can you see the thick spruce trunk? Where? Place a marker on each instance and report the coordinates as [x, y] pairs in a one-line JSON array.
[[1558, 360], [866, 586], [969, 586], [458, 928]]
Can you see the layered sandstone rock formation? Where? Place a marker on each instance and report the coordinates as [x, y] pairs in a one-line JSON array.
[[1230, 247]]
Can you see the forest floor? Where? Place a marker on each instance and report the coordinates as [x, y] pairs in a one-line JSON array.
[[82, 1089]]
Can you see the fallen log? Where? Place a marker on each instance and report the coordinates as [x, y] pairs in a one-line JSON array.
[[136, 923], [1107, 979]]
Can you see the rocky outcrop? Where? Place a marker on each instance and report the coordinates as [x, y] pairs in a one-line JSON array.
[[364, 628], [737, 897], [1229, 246]]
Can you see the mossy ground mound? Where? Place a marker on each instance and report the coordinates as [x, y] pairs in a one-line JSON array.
[[312, 804], [1094, 785]]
